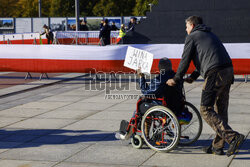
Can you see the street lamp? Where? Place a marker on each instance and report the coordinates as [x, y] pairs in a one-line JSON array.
[[150, 6], [77, 14], [39, 8]]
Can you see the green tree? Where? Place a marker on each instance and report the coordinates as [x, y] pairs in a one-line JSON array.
[[46, 8], [26, 8], [142, 6], [66, 8], [126, 7], [86, 7], [62, 8], [113, 7], [105, 8], [7, 8]]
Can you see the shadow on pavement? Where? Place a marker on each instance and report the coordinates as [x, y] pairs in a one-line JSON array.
[[39, 137], [198, 145]]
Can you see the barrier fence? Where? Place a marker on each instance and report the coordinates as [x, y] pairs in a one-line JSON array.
[[82, 38], [60, 37]]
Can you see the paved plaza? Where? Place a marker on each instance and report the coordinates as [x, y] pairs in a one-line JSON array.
[[68, 124]]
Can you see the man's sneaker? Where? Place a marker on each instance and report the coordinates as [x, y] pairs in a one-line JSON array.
[[211, 150], [185, 117], [235, 144]]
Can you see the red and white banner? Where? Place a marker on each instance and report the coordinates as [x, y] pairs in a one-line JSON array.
[[82, 58]]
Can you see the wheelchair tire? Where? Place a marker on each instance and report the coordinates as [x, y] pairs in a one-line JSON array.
[[160, 129], [136, 141], [192, 131]]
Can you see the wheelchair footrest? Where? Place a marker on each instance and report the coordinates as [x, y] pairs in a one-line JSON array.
[[185, 137]]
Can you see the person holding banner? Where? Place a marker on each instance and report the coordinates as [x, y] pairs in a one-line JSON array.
[[213, 63], [158, 89]]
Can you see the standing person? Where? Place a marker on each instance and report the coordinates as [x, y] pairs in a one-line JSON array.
[[131, 24], [104, 35], [122, 34], [101, 24], [49, 34], [113, 27], [213, 63], [83, 26]]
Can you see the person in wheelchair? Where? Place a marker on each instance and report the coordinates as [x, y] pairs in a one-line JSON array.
[[158, 88]]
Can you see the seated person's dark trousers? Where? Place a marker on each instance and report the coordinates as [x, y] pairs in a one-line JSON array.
[[214, 105]]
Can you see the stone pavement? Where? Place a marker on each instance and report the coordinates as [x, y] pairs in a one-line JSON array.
[[66, 125]]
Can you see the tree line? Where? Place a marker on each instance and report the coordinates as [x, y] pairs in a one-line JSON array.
[[66, 8]]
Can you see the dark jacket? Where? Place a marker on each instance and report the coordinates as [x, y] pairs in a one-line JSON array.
[[105, 34], [114, 28], [49, 33], [84, 28], [206, 51], [131, 26], [158, 87]]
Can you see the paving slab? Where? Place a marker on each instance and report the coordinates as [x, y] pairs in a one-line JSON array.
[[87, 106], [18, 163], [64, 125], [72, 164], [123, 107], [5, 146], [67, 114], [187, 157], [8, 121], [63, 98], [38, 83], [41, 152], [242, 159], [18, 112], [95, 124], [122, 155], [35, 123], [45, 105], [112, 115]]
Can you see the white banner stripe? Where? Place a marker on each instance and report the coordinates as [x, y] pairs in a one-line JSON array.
[[112, 52]]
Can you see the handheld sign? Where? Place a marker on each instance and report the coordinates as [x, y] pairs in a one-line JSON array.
[[137, 58]]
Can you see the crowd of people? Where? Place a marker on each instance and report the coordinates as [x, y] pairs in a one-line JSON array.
[[105, 30]]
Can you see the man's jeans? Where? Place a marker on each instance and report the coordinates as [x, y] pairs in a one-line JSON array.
[[214, 105]]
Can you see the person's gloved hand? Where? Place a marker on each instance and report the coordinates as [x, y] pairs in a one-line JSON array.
[[189, 80]]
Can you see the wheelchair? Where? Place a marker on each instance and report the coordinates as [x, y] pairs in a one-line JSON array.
[[159, 128]]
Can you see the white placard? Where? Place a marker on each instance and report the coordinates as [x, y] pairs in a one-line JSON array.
[[137, 58]]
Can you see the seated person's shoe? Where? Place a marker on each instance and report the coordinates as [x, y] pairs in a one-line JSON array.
[[123, 127], [123, 133], [235, 144], [185, 117], [211, 150]]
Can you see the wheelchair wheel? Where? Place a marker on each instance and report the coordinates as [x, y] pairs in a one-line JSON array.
[[136, 141], [192, 131], [160, 129]]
